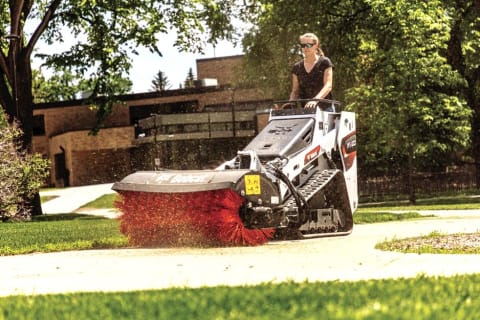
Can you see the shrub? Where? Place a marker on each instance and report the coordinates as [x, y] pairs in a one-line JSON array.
[[21, 173]]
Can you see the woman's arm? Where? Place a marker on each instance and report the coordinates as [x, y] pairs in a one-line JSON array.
[[327, 87], [327, 83], [295, 87]]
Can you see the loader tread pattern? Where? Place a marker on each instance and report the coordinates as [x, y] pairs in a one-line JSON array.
[[332, 183], [315, 183]]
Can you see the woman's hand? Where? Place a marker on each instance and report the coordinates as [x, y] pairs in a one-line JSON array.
[[311, 104]]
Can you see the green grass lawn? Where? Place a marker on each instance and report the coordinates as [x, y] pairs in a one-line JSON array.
[[44, 199], [105, 201], [416, 298], [401, 210], [60, 232], [367, 216], [452, 202], [50, 233]]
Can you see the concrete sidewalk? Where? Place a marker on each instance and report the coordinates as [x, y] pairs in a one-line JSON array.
[[352, 258], [68, 200]]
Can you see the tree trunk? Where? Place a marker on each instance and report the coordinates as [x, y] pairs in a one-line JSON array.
[[25, 103], [20, 107], [456, 59], [412, 198], [474, 102]]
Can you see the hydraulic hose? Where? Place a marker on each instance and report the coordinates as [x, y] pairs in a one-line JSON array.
[[299, 198]]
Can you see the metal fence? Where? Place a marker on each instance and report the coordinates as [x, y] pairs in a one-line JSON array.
[[381, 188]]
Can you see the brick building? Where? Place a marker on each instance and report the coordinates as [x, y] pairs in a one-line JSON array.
[[213, 112]]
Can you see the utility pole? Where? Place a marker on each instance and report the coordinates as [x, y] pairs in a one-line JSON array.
[[156, 159]]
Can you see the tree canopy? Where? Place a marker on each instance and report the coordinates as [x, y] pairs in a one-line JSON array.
[[393, 66], [189, 80], [104, 33], [409, 96], [65, 85], [160, 82]]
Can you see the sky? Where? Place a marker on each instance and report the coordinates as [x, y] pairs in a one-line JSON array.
[[174, 64], [146, 65]]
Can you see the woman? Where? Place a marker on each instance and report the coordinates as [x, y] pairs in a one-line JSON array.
[[312, 77]]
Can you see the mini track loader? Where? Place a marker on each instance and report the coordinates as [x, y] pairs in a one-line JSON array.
[[297, 178]]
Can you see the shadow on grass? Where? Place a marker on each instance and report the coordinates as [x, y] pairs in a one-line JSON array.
[[44, 199], [440, 200], [65, 217], [376, 217]]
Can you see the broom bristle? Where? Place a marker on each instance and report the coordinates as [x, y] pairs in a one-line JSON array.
[[207, 218]]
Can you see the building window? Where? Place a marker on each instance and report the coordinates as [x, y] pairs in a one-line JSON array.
[[39, 125], [145, 111], [141, 112]]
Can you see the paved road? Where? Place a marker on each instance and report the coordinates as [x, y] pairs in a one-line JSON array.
[[351, 257]]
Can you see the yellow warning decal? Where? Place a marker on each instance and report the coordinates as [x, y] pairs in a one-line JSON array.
[[252, 184]]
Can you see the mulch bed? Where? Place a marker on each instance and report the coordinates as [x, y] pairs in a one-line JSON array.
[[468, 242]]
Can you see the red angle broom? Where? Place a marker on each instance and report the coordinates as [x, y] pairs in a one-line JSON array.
[[206, 218]]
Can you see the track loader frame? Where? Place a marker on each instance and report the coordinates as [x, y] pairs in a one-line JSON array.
[[298, 176]]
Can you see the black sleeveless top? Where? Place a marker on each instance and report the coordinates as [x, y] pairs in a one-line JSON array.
[[310, 83]]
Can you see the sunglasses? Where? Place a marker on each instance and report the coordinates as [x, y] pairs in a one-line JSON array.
[[307, 45]]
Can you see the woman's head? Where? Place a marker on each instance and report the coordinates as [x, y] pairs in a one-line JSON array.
[[310, 41]]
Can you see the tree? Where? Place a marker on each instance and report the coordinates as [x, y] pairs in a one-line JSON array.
[[409, 95], [21, 174], [463, 54], [65, 85], [391, 68], [57, 88], [189, 80], [160, 82], [106, 32], [271, 45]]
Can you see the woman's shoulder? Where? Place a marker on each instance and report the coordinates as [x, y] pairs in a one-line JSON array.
[[298, 62], [325, 61], [297, 66]]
